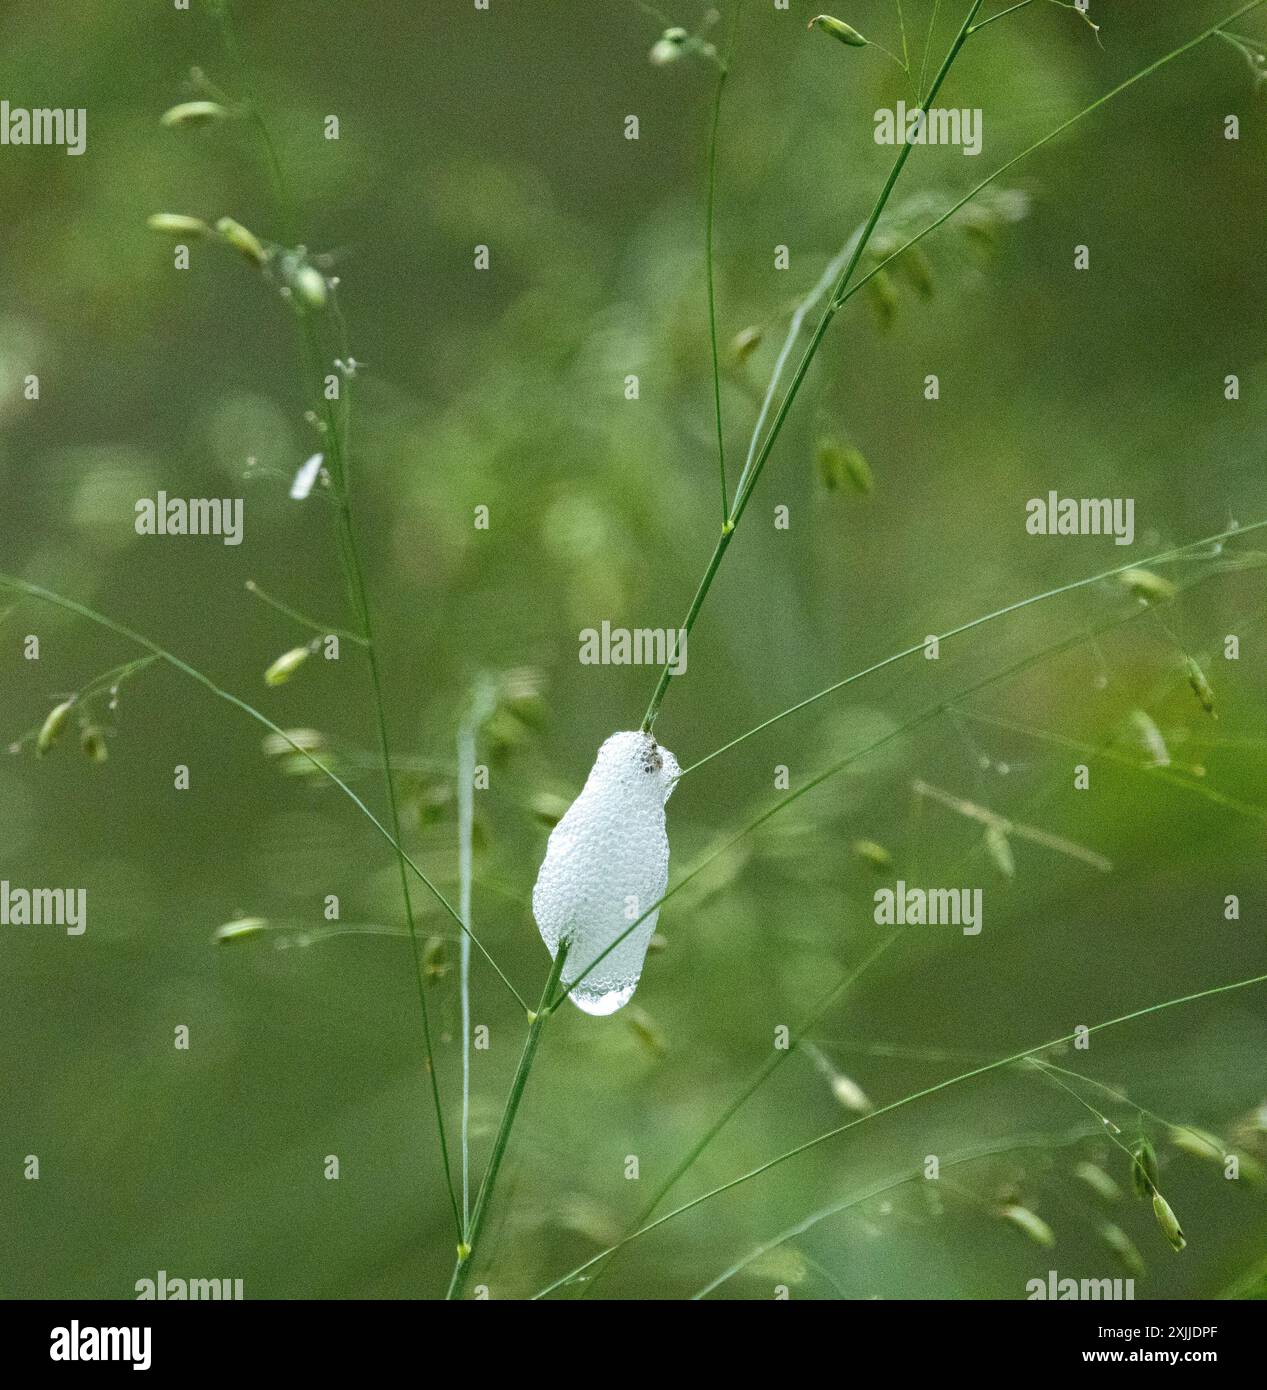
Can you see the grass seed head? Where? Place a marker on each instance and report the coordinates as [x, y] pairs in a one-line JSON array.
[[93, 743], [53, 727], [1168, 1222], [286, 665], [838, 29], [1124, 1248], [177, 224], [244, 241], [1144, 1174], [1200, 686], [1147, 586], [190, 113], [1033, 1225]]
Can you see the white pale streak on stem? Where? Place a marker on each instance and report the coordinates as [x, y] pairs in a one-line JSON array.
[[466, 819]]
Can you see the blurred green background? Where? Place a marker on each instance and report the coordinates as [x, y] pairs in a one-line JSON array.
[[505, 388]]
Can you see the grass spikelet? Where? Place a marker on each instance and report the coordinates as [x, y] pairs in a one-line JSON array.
[[1147, 586], [238, 929], [53, 727], [646, 1030], [1200, 686], [93, 743], [177, 224], [1168, 1222], [999, 848], [1124, 1248], [286, 665], [1098, 1181], [1148, 735], [243, 241], [1144, 1174], [838, 29], [1030, 1223], [872, 853], [1198, 1143], [839, 464], [744, 344], [193, 113]]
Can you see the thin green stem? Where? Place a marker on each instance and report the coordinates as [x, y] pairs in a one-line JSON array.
[[91, 615], [958, 1160], [906, 1100], [296, 616], [537, 1022], [776, 1059], [754, 473], [918, 647], [928, 44], [989, 19], [1048, 138], [932, 712], [481, 708], [723, 70]]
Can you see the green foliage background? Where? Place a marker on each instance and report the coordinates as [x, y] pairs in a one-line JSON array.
[[505, 388]]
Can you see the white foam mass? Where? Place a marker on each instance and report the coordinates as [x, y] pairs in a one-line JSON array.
[[606, 862]]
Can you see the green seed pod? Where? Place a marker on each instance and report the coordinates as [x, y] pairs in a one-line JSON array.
[[839, 463], [435, 958], [1149, 736], [1124, 1248], [1146, 585], [1034, 1226], [858, 471], [1200, 686], [237, 929], [1168, 1222], [918, 270], [849, 1094], [193, 113], [1197, 1143], [1098, 1181], [744, 344], [177, 224], [308, 285], [657, 945], [645, 1030], [1144, 1174], [999, 848], [242, 240], [54, 724], [669, 47], [838, 29], [93, 742], [871, 853], [286, 665], [277, 746], [883, 296]]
